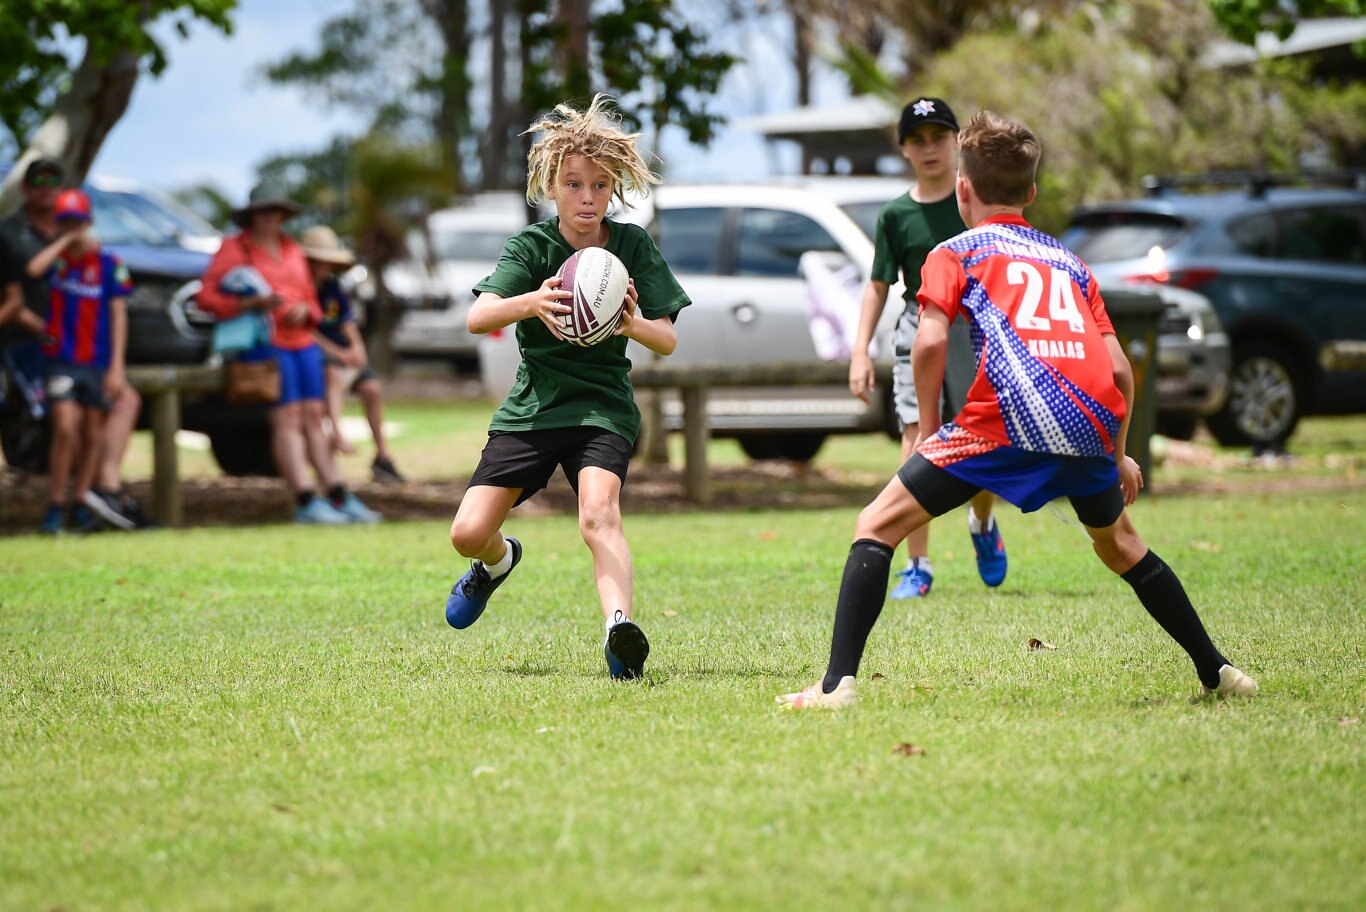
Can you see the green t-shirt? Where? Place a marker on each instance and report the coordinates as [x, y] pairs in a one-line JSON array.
[[906, 233], [564, 385]]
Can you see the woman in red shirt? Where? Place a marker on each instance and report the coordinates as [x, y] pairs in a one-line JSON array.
[[296, 420]]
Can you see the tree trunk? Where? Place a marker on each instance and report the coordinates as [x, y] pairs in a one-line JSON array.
[[80, 122], [495, 152], [453, 113], [801, 59], [573, 16], [380, 325]]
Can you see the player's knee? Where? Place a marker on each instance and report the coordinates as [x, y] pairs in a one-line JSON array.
[[1120, 549], [468, 539], [598, 518]]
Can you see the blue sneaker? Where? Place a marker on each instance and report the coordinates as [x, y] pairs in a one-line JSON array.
[[355, 511], [991, 555], [626, 649], [470, 595], [53, 521], [319, 512], [915, 583]]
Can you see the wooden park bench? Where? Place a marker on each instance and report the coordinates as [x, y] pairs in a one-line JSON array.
[[161, 386]]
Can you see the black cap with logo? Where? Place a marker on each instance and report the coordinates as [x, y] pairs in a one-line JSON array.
[[925, 111]]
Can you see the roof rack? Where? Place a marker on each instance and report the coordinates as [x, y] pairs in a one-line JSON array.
[[1256, 183]]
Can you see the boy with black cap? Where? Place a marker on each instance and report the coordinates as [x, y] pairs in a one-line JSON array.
[[908, 228], [84, 340]]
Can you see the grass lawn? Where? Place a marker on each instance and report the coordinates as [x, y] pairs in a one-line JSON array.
[[279, 718]]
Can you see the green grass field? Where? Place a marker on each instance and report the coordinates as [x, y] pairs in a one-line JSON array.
[[279, 718]]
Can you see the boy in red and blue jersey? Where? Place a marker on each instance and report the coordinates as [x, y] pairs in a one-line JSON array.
[[84, 342], [1047, 414]]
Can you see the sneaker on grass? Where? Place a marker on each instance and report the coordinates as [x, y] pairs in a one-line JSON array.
[[1232, 683], [991, 554], [107, 506], [844, 694], [914, 582], [383, 471], [626, 649], [319, 512], [351, 507], [53, 521], [470, 594]]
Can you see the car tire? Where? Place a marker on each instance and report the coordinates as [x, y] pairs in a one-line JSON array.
[[1177, 425], [1266, 396], [25, 442], [243, 450], [796, 446]]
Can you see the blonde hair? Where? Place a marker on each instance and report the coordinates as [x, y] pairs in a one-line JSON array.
[[596, 134], [1000, 157]]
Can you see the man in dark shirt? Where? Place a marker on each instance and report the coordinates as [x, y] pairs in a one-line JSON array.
[[24, 234]]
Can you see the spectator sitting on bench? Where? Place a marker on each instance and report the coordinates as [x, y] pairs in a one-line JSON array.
[[344, 349], [298, 438]]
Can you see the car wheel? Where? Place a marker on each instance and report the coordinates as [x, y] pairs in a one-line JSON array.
[[243, 450], [1177, 425], [795, 446], [1265, 397]]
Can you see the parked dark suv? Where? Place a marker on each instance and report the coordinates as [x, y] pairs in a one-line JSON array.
[[1285, 268], [166, 249]]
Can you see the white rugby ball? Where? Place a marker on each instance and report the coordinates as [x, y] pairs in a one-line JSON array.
[[598, 280]]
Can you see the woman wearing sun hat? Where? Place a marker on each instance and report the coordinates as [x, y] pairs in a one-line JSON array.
[[298, 438], [343, 347]]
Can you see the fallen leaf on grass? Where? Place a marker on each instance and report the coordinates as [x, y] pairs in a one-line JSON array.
[[1036, 643], [283, 808], [768, 536], [544, 729], [1210, 547], [1345, 721], [907, 749], [484, 770], [878, 676], [671, 614]]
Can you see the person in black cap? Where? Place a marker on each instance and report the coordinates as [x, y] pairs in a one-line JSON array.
[[908, 228], [24, 235]]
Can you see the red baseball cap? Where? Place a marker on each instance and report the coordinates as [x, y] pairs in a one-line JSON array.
[[72, 205]]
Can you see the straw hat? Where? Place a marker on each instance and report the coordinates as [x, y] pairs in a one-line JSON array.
[[322, 244]]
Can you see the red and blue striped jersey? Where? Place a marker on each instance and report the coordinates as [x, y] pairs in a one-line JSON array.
[[78, 317], [1044, 379]]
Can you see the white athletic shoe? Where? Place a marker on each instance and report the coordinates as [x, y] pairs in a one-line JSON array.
[[1232, 683], [845, 694]]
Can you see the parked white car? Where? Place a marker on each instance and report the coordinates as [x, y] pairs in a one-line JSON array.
[[459, 248]]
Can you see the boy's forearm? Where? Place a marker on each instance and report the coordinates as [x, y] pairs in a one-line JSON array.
[[490, 312], [658, 335], [1124, 380], [42, 260], [118, 333], [874, 301], [928, 357]]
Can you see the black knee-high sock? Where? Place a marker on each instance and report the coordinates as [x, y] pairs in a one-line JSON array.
[[1165, 598], [862, 593]]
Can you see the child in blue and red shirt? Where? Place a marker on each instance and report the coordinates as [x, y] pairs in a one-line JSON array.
[[84, 341]]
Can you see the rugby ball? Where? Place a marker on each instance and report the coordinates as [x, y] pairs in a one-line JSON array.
[[598, 281]]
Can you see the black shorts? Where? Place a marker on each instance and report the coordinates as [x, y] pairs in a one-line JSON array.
[[527, 459], [939, 491], [79, 383]]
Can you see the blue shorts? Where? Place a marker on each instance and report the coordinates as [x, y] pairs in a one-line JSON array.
[[1025, 478], [301, 371], [79, 383]]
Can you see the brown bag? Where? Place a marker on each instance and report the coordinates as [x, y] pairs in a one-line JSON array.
[[253, 382]]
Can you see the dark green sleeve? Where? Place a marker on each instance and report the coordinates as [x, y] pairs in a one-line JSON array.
[[657, 291], [885, 267], [514, 275]]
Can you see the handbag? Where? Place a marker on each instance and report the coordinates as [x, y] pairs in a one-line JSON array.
[[253, 382], [240, 334]]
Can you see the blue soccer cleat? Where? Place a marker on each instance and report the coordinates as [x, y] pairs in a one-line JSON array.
[[351, 507], [626, 649], [53, 521], [318, 512], [991, 555], [470, 595], [914, 583]]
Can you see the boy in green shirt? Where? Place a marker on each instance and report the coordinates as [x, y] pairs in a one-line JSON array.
[[570, 407], [908, 228]]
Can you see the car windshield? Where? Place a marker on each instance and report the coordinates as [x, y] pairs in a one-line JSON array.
[[865, 215], [1109, 236], [482, 246], [116, 222], [166, 216]]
